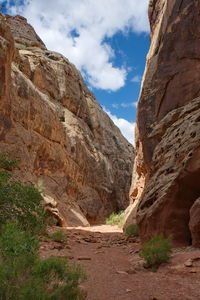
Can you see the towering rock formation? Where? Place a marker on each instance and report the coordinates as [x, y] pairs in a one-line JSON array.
[[167, 166], [53, 124]]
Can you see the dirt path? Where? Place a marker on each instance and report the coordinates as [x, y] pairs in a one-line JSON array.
[[115, 270]]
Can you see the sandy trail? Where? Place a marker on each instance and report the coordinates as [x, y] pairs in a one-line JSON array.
[[98, 228], [115, 270]]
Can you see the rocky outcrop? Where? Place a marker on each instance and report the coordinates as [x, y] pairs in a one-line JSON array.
[[49, 119], [168, 125], [23, 33]]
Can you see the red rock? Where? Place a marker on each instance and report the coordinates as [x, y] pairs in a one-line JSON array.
[[194, 223], [167, 165], [188, 263], [51, 121], [84, 258]]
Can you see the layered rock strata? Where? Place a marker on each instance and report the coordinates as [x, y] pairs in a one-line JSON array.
[[167, 162], [49, 119]]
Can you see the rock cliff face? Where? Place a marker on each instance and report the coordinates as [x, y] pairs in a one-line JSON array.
[[166, 190], [52, 122]]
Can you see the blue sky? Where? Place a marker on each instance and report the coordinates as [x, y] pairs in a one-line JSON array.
[[106, 39], [131, 49]]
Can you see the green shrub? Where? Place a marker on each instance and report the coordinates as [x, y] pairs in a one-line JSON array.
[[116, 219], [58, 236], [51, 221], [131, 230], [15, 242], [156, 251], [23, 275], [4, 176], [17, 255], [21, 203], [8, 163], [59, 278]]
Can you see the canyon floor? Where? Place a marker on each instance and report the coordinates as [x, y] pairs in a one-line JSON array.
[[115, 270]]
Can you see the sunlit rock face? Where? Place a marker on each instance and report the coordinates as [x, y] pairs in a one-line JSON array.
[[167, 165], [51, 121]]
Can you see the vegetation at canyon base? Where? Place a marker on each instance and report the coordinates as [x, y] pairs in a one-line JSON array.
[[116, 219], [58, 236], [8, 163], [21, 204], [131, 230], [156, 251], [23, 274]]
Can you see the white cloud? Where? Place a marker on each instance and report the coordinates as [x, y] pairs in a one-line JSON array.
[[92, 21], [136, 79], [115, 105], [124, 104], [127, 128]]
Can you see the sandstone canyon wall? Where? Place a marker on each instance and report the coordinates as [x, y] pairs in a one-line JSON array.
[[165, 193], [53, 124]]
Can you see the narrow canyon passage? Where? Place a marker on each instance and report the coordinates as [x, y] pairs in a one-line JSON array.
[[188, 194], [115, 270]]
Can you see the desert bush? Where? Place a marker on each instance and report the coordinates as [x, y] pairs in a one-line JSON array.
[[17, 254], [8, 163], [15, 242], [21, 203], [156, 251], [4, 176], [116, 219], [131, 230], [60, 278], [23, 275], [58, 236]]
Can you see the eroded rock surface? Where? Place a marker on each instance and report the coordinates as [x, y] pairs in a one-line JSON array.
[[168, 124], [52, 122], [194, 224]]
